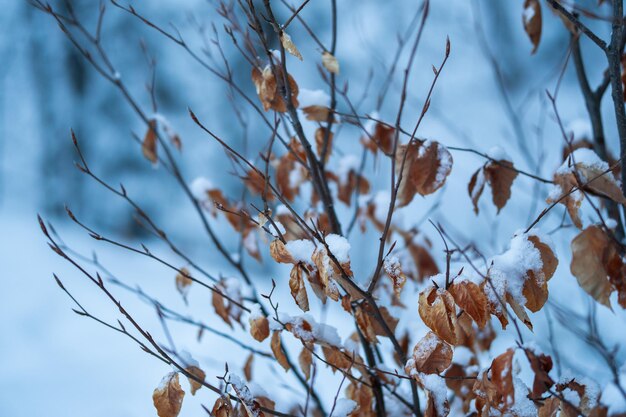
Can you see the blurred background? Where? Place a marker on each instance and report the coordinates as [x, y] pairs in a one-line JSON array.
[[54, 363]]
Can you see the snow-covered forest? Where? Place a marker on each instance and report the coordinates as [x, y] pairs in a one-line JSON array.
[[217, 178]]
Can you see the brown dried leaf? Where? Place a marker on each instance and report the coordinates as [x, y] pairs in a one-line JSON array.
[[541, 365], [519, 311], [476, 187], [149, 144], [259, 328], [535, 288], [431, 355], [289, 46], [183, 281], [267, 89], [532, 22], [221, 308], [591, 250], [317, 114], [279, 252], [330, 62], [168, 396], [365, 324], [437, 310], [572, 201], [199, 374], [320, 135], [336, 357], [426, 168], [549, 408], [222, 408], [247, 367], [304, 360], [500, 177], [278, 352], [298, 291], [472, 300], [502, 376]]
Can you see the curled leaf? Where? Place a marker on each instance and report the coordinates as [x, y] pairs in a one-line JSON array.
[[532, 21], [199, 376], [437, 310], [330, 62], [298, 291], [431, 355], [278, 352], [149, 144], [289, 46], [425, 170], [592, 251], [168, 396]]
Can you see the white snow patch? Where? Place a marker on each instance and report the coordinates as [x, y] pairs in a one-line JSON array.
[[339, 247], [301, 249], [308, 98]]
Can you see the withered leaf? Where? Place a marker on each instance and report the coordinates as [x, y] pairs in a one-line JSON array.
[[330, 62], [289, 46], [268, 91], [168, 396], [336, 357], [278, 352], [149, 144], [472, 300], [183, 281], [298, 291], [199, 374], [222, 407], [502, 376], [259, 327], [304, 360], [591, 250], [426, 168], [500, 176], [437, 310], [279, 252], [431, 355], [532, 21], [247, 367]]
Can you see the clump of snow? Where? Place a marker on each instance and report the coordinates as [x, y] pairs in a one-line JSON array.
[[612, 397], [611, 223], [346, 164], [523, 407], [307, 329], [529, 13], [295, 177], [444, 158], [585, 157], [580, 129], [339, 247], [243, 392], [344, 407], [200, 187], [308, 98], [232, 288], [462, 356], [280, 227], [256, 312], [498, 153], [436, 386], [370, 125], [187, 360], [301, 250], [282, 209], [508, 270]]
